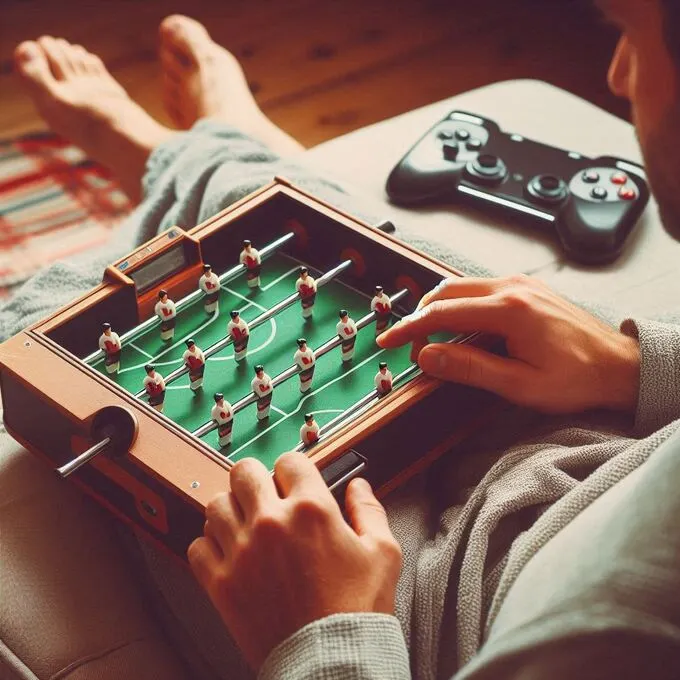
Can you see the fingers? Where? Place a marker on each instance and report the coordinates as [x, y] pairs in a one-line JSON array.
[[223, 519], [252, 486], [295, 474], [459, 287], [472, 366], [466, 315], [366, 513], [204, 558]]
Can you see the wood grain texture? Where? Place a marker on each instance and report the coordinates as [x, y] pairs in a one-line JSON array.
[[321, 69]]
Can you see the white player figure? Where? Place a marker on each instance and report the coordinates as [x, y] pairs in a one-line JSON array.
[[304, 357], [109, 343], [238, 329], [347, 330], [382, 306], [306, 286], [194, 360], [383, 379], [223, 415], [263, 389], [209, 283], [166, 311], [250, 257], [309, 432], [154, 384]]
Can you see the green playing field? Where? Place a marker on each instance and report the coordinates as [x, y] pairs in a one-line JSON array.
[[335, 386]]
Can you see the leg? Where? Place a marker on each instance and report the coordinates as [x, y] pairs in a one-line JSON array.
[[203, 80]]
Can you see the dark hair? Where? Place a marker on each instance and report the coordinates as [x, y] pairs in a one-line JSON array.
[[671, 27]]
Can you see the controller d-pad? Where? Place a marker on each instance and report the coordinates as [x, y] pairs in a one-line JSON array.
[[450, 150]]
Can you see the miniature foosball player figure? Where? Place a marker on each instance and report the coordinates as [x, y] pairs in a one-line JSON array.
[[154, 384], [347, 330], [250, 257], [382, 306], [240, 334], [223, 415], [305, 358], [309, 432], [383, 379], [166, 311], [109, 343], [306, 286], [263, 389], [209, 283], [194, 360]]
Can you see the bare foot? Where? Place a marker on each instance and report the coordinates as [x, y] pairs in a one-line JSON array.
[[203, 80], [80, 100]]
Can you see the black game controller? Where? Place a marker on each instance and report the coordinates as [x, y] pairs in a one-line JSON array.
[[593, 204]]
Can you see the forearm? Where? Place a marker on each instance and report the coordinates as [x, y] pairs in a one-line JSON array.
[[659, 395], [361, 646]]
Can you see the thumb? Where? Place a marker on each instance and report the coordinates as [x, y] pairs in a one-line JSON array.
[[366, 513], [472, 366]]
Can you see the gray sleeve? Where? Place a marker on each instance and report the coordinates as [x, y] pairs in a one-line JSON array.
[[342, 647], [659, 397]]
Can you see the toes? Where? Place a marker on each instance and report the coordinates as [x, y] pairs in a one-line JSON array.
[[57, 57], [183, 41], [31, 62]]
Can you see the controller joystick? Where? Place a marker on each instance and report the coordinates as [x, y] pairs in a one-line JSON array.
[[592, 204]]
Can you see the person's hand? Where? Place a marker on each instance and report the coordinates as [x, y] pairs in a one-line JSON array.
[[560, 358], [273, 561]]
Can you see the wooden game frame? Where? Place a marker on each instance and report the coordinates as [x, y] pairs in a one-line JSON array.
[[165, 493]]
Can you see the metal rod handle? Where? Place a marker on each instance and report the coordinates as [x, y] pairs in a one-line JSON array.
[[70, 467]]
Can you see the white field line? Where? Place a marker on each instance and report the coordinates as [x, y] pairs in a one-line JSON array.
[[302, 401]]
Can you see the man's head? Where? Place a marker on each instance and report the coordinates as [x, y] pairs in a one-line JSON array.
[[645, 69]]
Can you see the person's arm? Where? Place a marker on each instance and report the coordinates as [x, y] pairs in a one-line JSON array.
[[296, 585], [659, 393], [560, 358]]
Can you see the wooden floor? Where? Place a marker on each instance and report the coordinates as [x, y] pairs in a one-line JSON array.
[[321, 68]]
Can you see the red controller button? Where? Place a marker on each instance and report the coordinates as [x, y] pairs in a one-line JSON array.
[[619, 178], [627, 194]]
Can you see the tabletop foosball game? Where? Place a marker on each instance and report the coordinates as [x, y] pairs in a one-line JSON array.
[[247, 336]]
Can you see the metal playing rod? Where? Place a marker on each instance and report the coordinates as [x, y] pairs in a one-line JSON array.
[[257, 321], [359, 407], [295, 369], [85, 457], [187, 300]]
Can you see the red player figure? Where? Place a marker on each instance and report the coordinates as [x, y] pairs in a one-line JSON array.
[[382, 306], [223, 415], [347, 330], [305, 359], [250, 257], [262, 387], [155, 387], [166, 312], [209, 283], [109, 343], [383, 379], [306, 286], [238, 329], [195, 362], [309, 432]]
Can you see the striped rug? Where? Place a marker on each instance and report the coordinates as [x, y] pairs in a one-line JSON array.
[[54, 203]]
